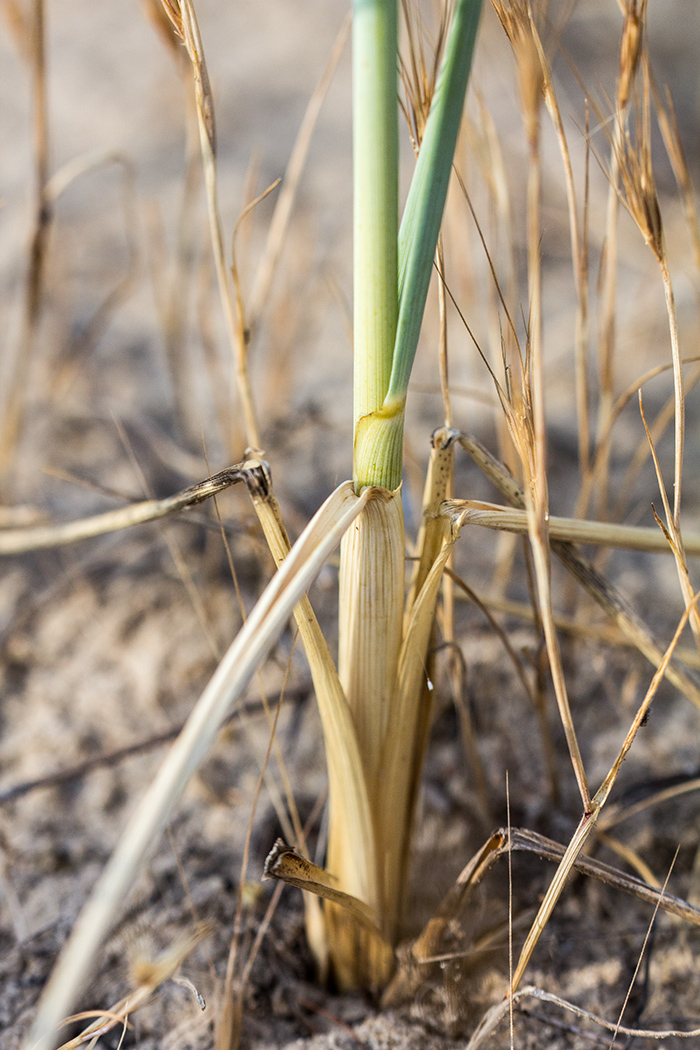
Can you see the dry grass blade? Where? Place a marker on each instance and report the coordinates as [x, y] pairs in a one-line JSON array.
[[524, 841], [643, 949], [256, 637], [499, 1013], [672, 533], [429, 944], [516, 18], [525, 409], [438, 484], [195, 50], [147, 977], [605, 436], [617, 813], [590, 815], [664, 416], [184, 19], [84, 164], [641, 200], [284, 863], [62, 179], [431, 537], [484, 605], [572, 530], [539, 543], [171, 288], [628, 855], [554, 891], [606, 634], [167, 23], [419, 78], [604, 790], [371, 590], [579, 257], [630, 51], [229, 1017], [523, 611], [410, 973], [632, 626], [603, 593], [38, 537], [533, 694], [524, 415], [230, 1020], [14, 395], [241, 336], [668, 125]]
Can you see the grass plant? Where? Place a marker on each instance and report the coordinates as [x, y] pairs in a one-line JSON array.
[[376, 701]]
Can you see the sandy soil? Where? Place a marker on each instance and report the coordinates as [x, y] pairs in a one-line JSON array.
[[108, 643]]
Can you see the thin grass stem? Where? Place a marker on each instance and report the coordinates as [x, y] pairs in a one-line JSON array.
[[375, 215], [186, 24], [14, 401]]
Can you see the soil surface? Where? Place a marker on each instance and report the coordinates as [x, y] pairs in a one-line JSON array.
[[106, 644]]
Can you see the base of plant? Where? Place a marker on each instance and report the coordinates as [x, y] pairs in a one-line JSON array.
[[360, 959]]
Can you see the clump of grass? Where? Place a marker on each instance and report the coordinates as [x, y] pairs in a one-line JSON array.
[[376, 703]]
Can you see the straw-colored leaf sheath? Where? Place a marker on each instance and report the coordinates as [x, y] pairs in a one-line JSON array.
[[263, 626], [413, 701], [371, 614], [353, 848], [410, 723], [383, 671]]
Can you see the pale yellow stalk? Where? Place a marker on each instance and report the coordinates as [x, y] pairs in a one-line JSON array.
[[371, 616], [352, 858]]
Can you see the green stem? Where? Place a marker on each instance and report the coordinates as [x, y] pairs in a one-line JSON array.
[[375, 162], [380, 400]]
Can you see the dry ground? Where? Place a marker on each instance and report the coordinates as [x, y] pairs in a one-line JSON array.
[[108, 643]]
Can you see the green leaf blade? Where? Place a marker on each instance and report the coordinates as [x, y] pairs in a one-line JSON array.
[[422, 218]]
